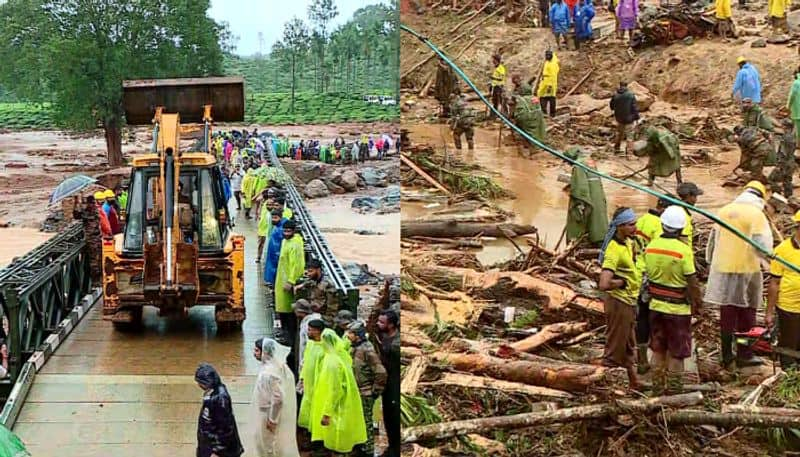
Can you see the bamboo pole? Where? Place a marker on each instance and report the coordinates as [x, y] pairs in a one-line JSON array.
[[470, 17], [422, 173]]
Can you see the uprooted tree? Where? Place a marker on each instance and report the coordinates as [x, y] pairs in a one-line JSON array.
[[76, 53]]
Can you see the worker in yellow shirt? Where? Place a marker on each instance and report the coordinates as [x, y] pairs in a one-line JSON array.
[[674, 296], [735, 278], [777, 14], [498, 82], [648, 228], [723, 14], [620, 280], [783, 292], [688, 193], [548, 85]]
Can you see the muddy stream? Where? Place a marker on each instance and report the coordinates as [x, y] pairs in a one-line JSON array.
[[540, 199]]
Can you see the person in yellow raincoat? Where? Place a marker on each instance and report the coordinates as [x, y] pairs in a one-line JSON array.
[[777, 14], [723, 14], [248, 188], [337, 418], [312, 356], [548, 85], [291, 266]]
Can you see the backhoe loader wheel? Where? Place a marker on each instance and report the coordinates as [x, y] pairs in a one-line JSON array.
[[132, 320]]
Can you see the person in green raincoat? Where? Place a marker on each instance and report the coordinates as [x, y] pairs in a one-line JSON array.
[[265, 221], [11, 445], [587, 213], [663, 152], [337, 417], [248, 186], [528, 116], [311, 358], [291, 266]]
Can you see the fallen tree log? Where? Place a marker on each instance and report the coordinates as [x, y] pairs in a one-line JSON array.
[[480, 382], [453, 229], [549, 333], [755, 420], [414, 371], [747, 409], [571, 377], [463, 427]]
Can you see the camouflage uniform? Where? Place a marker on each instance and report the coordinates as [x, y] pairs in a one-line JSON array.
[[781, 177], [461, 122], [754, 151], [91, 230], [754, 117], [322, 295], [446, 82], [371, 379]]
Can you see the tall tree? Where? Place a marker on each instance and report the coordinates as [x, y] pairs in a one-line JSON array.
[[76, 53], [295, 44], [321, 13]]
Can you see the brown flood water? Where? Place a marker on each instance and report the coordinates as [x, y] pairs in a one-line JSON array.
[[540, 199]]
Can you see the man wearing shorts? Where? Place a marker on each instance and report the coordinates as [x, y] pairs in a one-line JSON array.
[[674, 296]]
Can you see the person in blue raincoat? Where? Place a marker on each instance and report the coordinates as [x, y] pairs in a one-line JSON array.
[[747, 83], [583, 20], [217, 433], [274, 246], [559, 21]]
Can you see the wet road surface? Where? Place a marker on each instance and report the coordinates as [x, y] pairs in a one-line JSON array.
[[107, 393]]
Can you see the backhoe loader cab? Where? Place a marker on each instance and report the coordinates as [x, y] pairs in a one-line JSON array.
[[178, 249]]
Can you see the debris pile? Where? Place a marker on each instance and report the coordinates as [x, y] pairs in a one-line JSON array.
[[665, 25]]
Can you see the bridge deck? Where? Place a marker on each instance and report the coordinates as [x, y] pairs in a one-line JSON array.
[[106, 393]]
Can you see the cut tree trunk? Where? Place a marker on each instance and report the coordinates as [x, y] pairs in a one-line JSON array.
[[571, 377], [792, 412], [414, 371], [549, 333], [464, 427], [453, 229], [479, 382], [113, 141], [694, 417]]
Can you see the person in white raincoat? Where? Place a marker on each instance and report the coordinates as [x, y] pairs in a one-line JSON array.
[[274, 405]]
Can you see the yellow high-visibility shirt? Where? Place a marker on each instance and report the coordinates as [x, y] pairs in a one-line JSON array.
[[777, 8], [688, 230], [648, 227], [668, 262], [723, 9], [739, 257], [789, 291], [620, 259], [499, 76]]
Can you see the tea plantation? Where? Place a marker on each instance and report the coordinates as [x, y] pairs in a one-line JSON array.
[[25, 116]]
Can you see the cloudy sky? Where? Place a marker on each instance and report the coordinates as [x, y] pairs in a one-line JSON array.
[[248, 17]]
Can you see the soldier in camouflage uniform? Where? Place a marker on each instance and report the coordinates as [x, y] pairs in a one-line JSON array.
[[342, 321], [752, 116], [755, 149], [91, 230], [446, 82], [370, 377], [781, 177], [461, 119], [320, 292]]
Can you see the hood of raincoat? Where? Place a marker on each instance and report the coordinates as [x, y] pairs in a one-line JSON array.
[[272, 350], [207, 376]]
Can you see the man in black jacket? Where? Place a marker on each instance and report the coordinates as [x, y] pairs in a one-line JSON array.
[[389, 327], [623, 104], [217, 435]]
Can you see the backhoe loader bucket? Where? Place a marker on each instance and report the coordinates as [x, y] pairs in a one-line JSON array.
[[185, 96]]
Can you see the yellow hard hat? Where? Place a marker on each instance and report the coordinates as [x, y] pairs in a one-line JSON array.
[[109, 194], [756, 185], [99, 195], [740, 59], [796, 217]]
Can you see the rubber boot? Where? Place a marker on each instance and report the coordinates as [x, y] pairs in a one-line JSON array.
[[726, 350], [471, 145], [643, 366], [674, 383], [659, 381]]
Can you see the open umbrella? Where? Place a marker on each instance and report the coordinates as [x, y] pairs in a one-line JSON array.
[[70, 187]]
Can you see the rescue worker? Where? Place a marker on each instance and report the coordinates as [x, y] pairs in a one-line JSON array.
[[111, 211], [529, 117], [122, 198], [291, 264], [90, 218], [620, 279], [498, 82], [559, 22], [780, 179], [312, 356], [587, 202], [754, 150], [777, 15], [723, 14], [688, 193], [520, 88], [264, 221], [274, 247], [747, 83], [461, 119], [663, 153], [753, 116], [217, 434], [105, 225], [627, 12], [337, 418], [446, 81], [784, 293], [648, 228], [735, 278], [544, 13], [793, 103], [623, 104], [583, 22], [370, 377], [248, 186], [363, 149], [343, 320], [548, 85], [389, 337], [305, 314], [236, 185], [320, 293], [674, 297]]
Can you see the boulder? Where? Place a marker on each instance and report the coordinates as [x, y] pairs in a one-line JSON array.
[[643, 96], [373, 177], [349, 180], [759, 43], [316, 189], [582, 104], [308, 172], [333, 187], [793, 19]]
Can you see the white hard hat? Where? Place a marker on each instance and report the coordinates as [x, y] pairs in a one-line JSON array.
[[674, 217]]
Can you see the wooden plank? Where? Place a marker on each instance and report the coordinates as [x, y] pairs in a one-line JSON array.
[[581, 81], [470, 17], [467, 380], [422, 173]]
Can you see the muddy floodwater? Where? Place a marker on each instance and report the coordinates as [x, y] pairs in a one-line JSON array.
[[540, 198], [16, 241]]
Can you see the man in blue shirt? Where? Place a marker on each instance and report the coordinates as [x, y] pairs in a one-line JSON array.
[[748, 82]]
